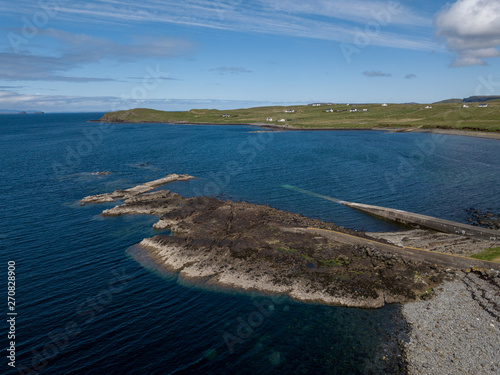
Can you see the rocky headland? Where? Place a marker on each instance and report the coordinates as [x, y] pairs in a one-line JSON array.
[[254, 247], [452, 314]]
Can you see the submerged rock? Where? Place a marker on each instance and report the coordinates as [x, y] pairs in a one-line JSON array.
[[485, 219]]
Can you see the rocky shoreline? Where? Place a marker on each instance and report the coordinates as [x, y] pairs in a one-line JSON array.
[[458, 331], [253, 247], [453, 316]]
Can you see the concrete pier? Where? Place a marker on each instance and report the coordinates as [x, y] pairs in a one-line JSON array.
[[440, 225]]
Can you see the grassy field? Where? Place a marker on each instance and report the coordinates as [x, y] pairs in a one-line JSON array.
[[489, 254], [445, 116]]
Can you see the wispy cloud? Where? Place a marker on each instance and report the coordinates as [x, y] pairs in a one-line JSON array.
[[28, 67], [376, 73], [361, 11], [76, 50], [159, 77], [410, 76], [61, 103], [277, 17], [471, 29], [230, 70]]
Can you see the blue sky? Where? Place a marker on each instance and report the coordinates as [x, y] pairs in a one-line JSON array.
[[63, 55]]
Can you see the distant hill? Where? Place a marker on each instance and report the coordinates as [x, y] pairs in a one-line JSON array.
[[15, 112], [450, 101], [475, 99], [470, 99]]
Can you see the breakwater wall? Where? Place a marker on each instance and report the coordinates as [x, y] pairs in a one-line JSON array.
[[440, 225]]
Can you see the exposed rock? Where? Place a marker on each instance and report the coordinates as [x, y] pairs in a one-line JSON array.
[[485, 219], [254, 247], [435, 241], [132, 192]]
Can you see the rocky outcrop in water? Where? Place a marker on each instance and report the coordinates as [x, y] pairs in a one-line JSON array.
[[253, 247], [484, 219], [134, 191]]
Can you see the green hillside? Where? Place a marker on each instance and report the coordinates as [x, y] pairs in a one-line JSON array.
[[441, 115]]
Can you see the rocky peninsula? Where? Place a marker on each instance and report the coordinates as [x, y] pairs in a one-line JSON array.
[[254, 247], [452, 314]]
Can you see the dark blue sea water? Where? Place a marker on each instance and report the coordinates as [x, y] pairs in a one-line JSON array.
[[85, 306]]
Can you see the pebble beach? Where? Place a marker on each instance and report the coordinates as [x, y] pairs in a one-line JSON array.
[[458, 330]]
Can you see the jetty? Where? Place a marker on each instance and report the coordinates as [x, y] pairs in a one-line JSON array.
[[413, 219]]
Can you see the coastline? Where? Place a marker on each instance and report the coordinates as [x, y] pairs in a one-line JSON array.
[[199, 270], [252, 247], [457, 331], [269, 127], [224, 245]]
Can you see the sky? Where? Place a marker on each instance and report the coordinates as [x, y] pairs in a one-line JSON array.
[[104, 55]]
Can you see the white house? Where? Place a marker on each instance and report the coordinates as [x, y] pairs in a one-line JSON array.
[[353, 110], [281, 120], [226, 115], [316, 105], [365, 110], [384, 105], [428, 107], [465, 106], [290, 111], [483, 105], [270, 119], [329, 110]]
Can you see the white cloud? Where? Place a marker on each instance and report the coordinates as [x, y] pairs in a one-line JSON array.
[[354, 10], [336, 22], [471, 29], [75, 50], [376, 73], [62, 103], [230, 69]]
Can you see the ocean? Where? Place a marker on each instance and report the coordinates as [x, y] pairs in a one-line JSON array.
[[85, 305]]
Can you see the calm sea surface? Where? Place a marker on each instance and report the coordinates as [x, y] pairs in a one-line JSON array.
[[85, 306]]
